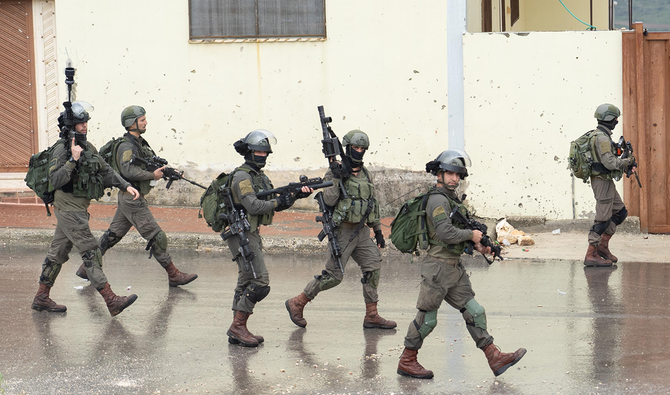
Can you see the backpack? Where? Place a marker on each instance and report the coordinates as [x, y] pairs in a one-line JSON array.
[[408, 229], [212, 203], [580, 158], [108, 153], [37, 177]]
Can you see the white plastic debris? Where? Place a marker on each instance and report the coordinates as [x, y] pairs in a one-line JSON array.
[[79, 288], [556, 231], [561, 292], [128, 289], [506, 242]]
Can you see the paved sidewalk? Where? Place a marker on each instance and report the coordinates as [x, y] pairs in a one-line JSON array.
[[28, 224]]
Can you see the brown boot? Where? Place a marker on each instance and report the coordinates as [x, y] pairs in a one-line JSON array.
[[603, 248], [178, 278], [238, 330], [42, 301], [232, 340], [594, 260], [409, 366], [295, 307], [115, 303], [374, 320], [499, 361], [81, 272]]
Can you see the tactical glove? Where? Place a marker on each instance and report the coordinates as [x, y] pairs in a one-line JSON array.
[[339, 171], [284, 201], [379, 237], [302, 195]]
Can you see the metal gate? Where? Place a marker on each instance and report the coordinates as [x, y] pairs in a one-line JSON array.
[[646, 105], [18, 112]]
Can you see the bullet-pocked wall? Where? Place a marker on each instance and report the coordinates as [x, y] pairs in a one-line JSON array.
[[528, 95]]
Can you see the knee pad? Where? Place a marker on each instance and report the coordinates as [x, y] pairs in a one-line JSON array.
[[92, 257], [371, 278], [108, 240], [428, 323], [49, 272], [327, 281], [600, 227], [157, 243], [256, 293], [474, 314], [620, 216]]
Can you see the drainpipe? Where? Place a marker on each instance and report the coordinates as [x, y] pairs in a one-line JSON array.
[[456, 12]]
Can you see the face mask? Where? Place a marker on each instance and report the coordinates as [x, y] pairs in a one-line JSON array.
[[356, 157], [614, 123], [260, 160]]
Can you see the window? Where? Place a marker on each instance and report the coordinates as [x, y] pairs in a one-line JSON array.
[[257, 19], [514, 5]]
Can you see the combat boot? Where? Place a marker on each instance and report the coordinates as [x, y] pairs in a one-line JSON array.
[[409, 366], [374, 320], [295, 307], [594, 260], [42, 301], [499, 361], [232, 340], [603, 248], [176, 277], [115, 303], [81, 272], [238, 330]]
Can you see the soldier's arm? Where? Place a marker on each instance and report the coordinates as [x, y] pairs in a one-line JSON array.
[[109, 176], [603, 146], [60, 168], [437, 211], [331, 194], [243, 191], [129, 171]]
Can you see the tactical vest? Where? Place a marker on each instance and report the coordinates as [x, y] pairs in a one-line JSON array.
[[86, 180], [361, 193], [144, 151], [260, 182], [459, 248], [597, 168]]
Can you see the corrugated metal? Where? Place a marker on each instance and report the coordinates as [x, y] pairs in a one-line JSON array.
[[17, 111]]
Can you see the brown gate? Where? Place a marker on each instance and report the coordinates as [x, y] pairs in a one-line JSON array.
[[18, 112], [646, 110]]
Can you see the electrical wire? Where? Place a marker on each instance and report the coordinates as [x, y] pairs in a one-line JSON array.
[[591, 27]]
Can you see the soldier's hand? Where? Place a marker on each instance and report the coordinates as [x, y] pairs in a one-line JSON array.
[[133, 192], [338, 170], [158, 173], [305, 192], [285, 201], [75, 150], [379, 237], [481, 249], [476, 236]]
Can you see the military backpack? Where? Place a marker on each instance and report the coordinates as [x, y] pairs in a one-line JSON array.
[[580, 158], [212, 203], [37, 177], [108, 153]]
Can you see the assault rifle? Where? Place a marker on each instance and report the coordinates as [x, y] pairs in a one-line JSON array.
[[624, 150], [326, 219], [295, 187], [331, 148], [169, 173], [238, 224], [474, 225]]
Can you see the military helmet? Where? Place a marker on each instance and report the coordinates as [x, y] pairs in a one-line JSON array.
[[260, 140], [356, 137], [80, 113], [454, 160], [607, 112], [130, 114]]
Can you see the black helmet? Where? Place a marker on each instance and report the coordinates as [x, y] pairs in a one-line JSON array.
[[258, 140], [454, 160]]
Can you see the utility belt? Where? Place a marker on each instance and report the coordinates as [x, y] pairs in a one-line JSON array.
[[348, 225]]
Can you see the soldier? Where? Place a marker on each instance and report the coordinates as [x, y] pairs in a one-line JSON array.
[[247, 180], [350, 215], [78, 174], [135, 212], [443, 277], [606, 166]]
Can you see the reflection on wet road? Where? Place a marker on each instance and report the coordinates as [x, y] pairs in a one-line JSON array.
[[587, 330]]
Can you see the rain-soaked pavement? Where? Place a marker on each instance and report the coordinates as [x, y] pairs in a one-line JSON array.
[[599, 331]]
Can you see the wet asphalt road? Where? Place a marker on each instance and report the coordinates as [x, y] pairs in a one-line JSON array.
[[589, 331]]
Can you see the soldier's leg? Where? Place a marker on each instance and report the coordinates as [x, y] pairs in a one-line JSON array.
[[332, 276], [118, 228], [57, 255], [619, 214], [603, 220]]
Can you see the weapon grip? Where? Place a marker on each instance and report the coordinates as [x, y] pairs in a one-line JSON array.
[[169, 183]]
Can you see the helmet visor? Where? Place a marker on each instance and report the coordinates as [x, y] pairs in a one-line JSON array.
[[260, 140], [80, 110]]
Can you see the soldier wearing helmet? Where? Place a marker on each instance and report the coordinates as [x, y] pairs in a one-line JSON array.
[[245, 181], [353, 216], [135, 212], [606, 167], [78, 174], [444, 277]]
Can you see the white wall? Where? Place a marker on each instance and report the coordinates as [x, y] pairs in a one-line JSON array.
[[527, 97]]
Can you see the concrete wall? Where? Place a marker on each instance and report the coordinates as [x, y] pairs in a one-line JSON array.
[[381, 69], [527, 97]]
